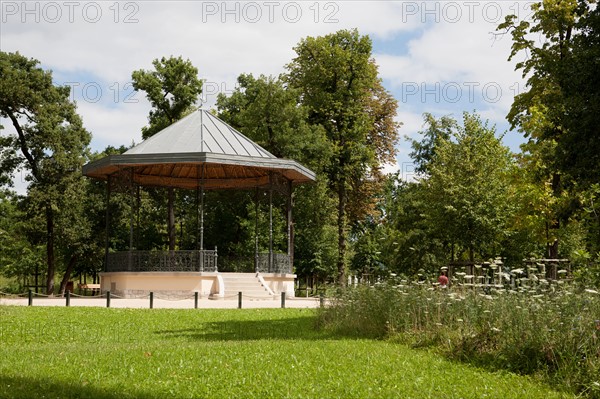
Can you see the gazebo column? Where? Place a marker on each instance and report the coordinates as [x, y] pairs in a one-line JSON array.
[[256, 199], [171, 218], [200, 216], [131, 212], [290, 225], [138, 206], [131, 218], [202, 220], [107, 222], [270, 222]]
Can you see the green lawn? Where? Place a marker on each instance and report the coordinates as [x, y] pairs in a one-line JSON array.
[[268, 353]]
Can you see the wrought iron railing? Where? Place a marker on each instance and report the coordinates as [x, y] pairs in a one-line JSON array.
[[162, 261], [280, 264]]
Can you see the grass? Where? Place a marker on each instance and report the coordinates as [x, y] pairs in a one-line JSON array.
[[263, 353], [551, 334]]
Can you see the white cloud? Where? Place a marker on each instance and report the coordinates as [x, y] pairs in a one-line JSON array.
[[129, 35], [457, 63]]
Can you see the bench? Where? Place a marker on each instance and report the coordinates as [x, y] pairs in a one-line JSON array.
[[92, 287]]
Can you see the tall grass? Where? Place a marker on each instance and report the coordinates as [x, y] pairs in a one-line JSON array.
[[553, 334]]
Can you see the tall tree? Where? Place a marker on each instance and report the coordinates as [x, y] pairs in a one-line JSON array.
[[338, 82], [579, 146], [172, 88], [49, 141], [424, 150], [269, 112], [559, 109], [466, 190], [19, 257]]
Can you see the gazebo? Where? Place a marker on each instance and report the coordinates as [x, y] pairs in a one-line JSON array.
[[199, 152]]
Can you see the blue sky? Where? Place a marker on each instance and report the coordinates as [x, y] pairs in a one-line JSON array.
[[434, 56]]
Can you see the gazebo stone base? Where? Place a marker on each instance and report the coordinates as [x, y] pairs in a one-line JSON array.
[[179, 285], [280, 282], [167, 284]]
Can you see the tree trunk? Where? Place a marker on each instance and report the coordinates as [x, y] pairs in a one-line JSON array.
[[171, 218], [553, 250], [341, 264], [50, 249], [553, 246], [67, 276]]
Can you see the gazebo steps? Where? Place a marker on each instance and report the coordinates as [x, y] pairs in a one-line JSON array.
[[246, 283]]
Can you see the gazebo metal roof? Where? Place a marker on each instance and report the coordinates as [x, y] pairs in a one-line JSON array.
[[199, 149]]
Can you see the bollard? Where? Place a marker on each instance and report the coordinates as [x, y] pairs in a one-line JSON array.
[[68, 296], [30, 298], [283, 300], [321, 300], [240, 300], [151, 300], [196, 300], [108, 299]]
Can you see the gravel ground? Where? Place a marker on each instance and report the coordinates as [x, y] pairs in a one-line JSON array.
[[187, 303]]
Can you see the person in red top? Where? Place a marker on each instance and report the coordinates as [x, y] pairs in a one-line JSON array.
[[443, 280]]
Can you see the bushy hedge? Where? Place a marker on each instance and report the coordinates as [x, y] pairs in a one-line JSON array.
[[554, 334]]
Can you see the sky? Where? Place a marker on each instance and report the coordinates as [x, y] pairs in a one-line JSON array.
[[439, 57]]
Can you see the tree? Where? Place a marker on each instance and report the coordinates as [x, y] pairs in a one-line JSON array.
[[338, 83], [269, 112], [49, 141], [467, 189], [559, 112], [18, 257], [424, 151], [172, 89], [579, 147]]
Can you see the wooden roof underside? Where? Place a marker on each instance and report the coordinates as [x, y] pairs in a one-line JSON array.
[[190, 172]]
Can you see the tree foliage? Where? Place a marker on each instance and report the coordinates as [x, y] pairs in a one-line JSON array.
[[338, 83], [172, 88], [50, 142], [460, 206], [560, 104], [269, 112], [19, 256], [468, 188], [559, 112]]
